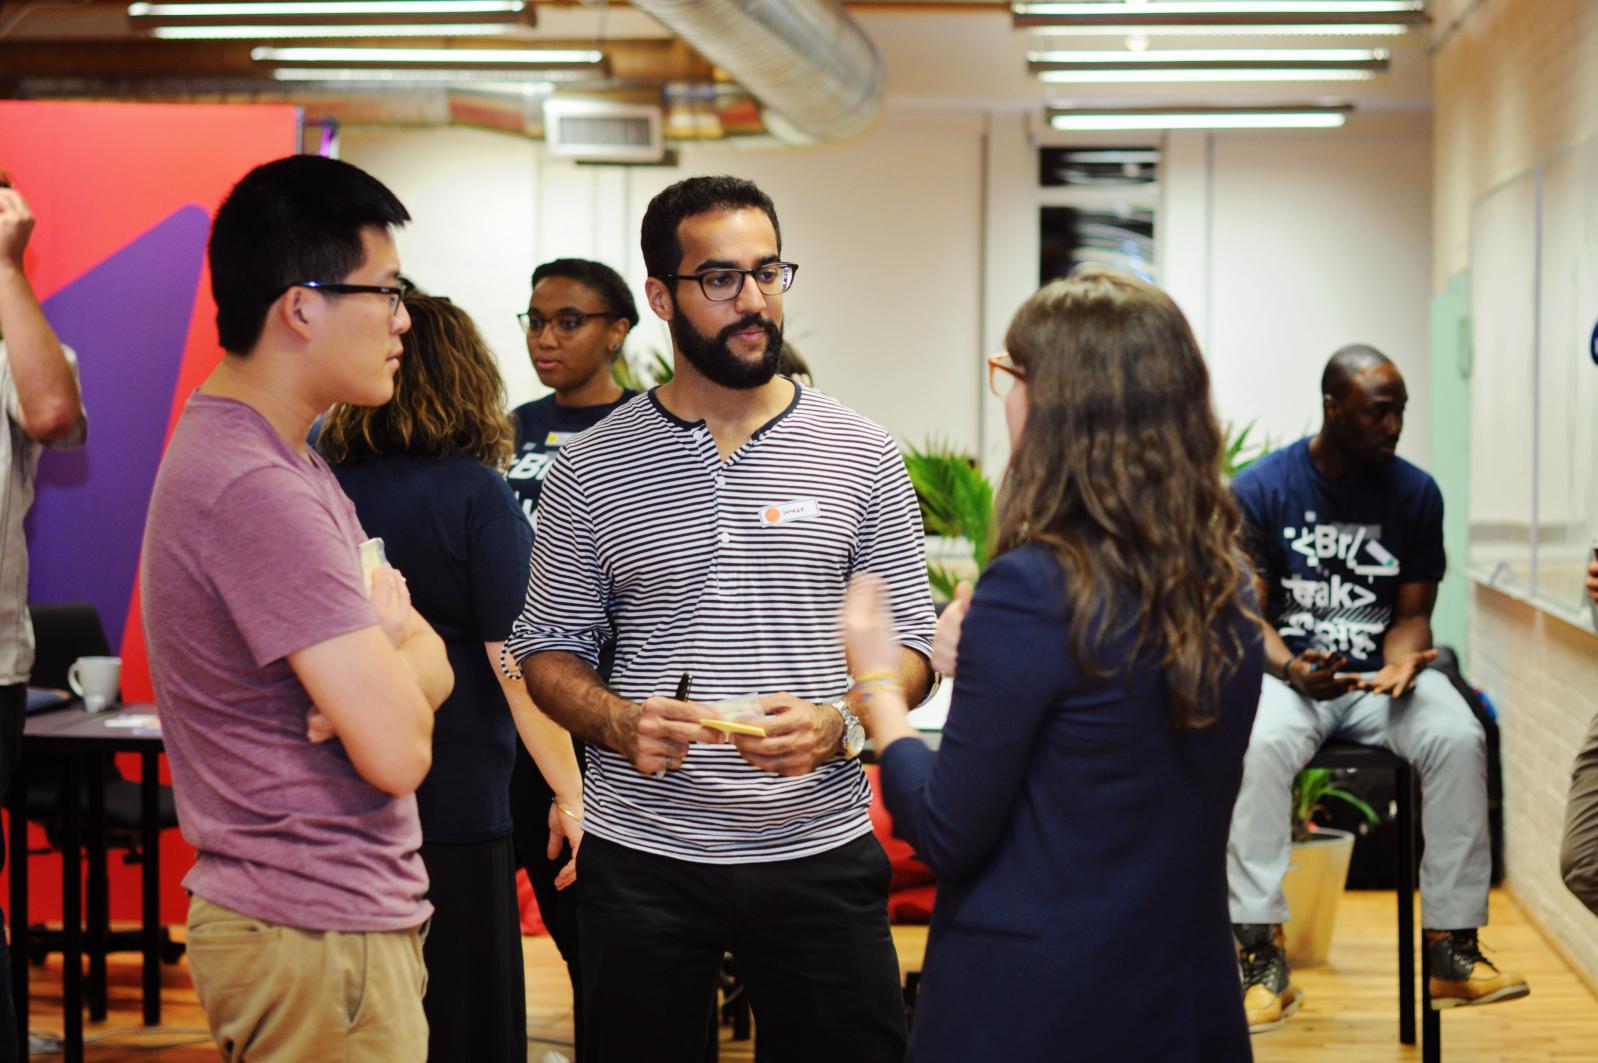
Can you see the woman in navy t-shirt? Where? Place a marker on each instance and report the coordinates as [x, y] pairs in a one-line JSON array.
[[424, 475], [577, 318]]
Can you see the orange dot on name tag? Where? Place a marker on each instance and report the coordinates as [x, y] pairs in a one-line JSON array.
[[772, 515]]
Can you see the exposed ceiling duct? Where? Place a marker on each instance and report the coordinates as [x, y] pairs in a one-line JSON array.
[[812, 68]]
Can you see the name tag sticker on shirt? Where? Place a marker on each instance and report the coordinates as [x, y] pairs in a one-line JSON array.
[[783, 512], [555, 439]]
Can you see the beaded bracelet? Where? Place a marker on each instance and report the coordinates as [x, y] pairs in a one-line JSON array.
[[507, 665]]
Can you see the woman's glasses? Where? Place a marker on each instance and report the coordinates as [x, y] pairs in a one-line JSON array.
[[567, 322], [1003, 373]]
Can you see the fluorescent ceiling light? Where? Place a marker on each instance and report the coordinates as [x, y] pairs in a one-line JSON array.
[[311, 8], [1206, 56], [1105, 119], [1237, 16], [1209, 65], [335, 13], [544, 83], [1204, 74], [1292, 29], [268, 33], [485, 58]]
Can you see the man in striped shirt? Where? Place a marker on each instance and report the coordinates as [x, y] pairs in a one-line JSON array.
[[711, 527]]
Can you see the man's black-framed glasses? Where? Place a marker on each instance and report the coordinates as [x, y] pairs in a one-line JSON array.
[[396, 293], [567, 323], [722, 285]]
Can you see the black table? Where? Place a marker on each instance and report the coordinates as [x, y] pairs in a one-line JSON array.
[[84, 741]]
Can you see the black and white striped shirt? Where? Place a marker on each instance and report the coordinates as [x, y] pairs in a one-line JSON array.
[[734, 572]]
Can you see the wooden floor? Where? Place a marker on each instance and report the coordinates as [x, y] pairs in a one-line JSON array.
[[1349, 1014]]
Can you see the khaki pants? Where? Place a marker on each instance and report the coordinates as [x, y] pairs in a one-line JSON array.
[[277, 993]]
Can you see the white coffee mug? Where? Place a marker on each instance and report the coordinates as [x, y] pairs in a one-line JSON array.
[[95, 680]]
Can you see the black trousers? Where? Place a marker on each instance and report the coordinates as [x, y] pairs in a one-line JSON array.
[[530, 796], [476, 1000], [810, 936], [13, 714]]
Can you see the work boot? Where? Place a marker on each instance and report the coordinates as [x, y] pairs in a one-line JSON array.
[[1462, 976], [1269, 996]]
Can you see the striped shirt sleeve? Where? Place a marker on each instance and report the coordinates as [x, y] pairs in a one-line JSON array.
[[566, 589], [893, 546]]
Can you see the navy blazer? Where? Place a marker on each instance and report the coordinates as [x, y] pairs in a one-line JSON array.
[[1079, 843]]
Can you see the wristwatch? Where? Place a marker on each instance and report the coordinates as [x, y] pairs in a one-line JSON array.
[[854, 735]]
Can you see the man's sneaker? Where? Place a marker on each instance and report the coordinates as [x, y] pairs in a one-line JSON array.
[[1269, 997], [1462, 976]]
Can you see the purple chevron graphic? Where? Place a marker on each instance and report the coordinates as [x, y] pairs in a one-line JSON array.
[[128, 321]]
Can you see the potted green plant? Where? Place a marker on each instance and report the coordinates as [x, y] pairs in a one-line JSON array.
[[656, 370], [956, 511], [1318, 866]]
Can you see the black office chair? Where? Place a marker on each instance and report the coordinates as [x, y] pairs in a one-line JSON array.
[[62, 633]]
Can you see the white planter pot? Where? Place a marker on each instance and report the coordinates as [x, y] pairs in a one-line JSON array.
[[1314, 881]]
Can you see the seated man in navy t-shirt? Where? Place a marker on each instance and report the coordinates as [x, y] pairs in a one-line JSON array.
[[1347, 544]]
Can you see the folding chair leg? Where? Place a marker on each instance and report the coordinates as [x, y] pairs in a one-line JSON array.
[[1431, 1043]]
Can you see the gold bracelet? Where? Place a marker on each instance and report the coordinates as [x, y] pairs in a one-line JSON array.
[[878, 676], [568, 813]]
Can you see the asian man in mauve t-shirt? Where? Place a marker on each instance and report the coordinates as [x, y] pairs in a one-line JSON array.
[[296, 695]]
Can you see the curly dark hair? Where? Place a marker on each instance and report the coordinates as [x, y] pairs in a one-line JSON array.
[[1118, 472], [448, 397]]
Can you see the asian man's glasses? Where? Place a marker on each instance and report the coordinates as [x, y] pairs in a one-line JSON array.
[[396, 293]]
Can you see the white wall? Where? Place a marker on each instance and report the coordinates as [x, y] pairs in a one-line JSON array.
[[917, 242], [886, 229], [1316, 241]]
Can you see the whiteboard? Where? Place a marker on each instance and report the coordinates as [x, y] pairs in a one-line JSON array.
[[1503, 309], [1567, 379], [1534, 386]]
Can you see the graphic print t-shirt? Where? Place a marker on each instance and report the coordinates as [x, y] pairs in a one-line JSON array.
[[1335, 553], [542, 428]]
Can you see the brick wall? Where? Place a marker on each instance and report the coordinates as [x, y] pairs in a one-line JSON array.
[[1542, 674]]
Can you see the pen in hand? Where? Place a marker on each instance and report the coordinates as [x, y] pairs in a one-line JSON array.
[[685, 687]]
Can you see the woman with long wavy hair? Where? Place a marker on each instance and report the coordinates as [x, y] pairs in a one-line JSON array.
[[1106, 676], [424, 473]]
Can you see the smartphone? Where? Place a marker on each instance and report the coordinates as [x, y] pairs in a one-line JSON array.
[[372, 558]]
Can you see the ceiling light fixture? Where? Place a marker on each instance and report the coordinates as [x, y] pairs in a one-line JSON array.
[[329, 12], [1350, 17], [513, 59], [1209, 65], [345, 77], [273, 33], [1104, 119]]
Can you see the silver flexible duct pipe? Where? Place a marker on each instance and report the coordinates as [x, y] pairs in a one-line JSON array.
[[805, 60]]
